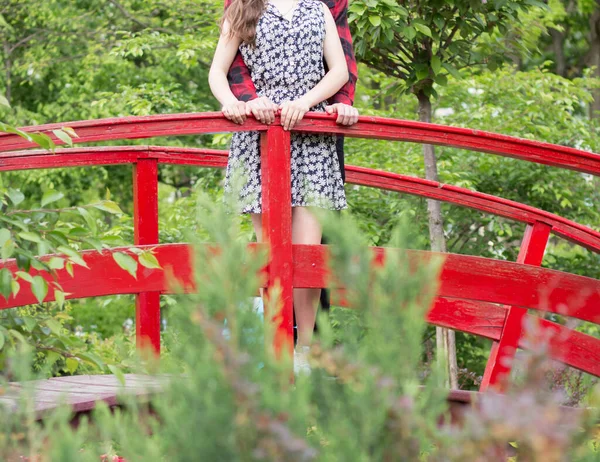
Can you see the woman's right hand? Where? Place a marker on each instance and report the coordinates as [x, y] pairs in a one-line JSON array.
[[236, 112], [263, 109]]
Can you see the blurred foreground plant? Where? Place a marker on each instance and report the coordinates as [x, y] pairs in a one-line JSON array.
[[368, 398]]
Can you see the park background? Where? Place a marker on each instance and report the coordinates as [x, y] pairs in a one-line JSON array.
[[522, 68]]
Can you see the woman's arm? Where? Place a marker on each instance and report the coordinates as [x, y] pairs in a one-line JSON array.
[[337, 76], [225, 53]]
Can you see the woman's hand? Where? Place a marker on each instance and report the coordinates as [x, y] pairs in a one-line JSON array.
[[236, 112], [292, 112], [263, 109]]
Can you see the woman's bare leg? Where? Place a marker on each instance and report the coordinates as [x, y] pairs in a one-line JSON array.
[[305, 230], [257, 223]]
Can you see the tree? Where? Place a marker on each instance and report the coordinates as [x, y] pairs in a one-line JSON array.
[[420, 42]]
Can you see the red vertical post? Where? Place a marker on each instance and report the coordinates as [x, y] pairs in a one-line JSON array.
[[503, 352], [145, 200], [277, 229]]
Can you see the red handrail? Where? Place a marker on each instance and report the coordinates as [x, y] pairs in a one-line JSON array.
[[368, 127], [471, 288]]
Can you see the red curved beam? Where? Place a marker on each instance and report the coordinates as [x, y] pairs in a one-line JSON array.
[[483, 280], [570, 230], [570, 347], [456, 137], [104, 277], [131, 128], [498, 282], [367, 127], [110, 155], [79, 157]]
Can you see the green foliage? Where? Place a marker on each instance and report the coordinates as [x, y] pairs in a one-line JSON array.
[[424, 42], [363, 400]]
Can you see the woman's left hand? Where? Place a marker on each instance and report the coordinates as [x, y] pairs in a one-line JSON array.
[[292, 112]]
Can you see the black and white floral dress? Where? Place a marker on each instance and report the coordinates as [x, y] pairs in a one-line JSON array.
[[285, 64]]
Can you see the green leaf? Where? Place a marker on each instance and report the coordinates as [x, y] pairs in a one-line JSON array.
[[423, 29], [108, 206], [16, 196], [118, 373], [42, 140], [56, 263], [4, 236], [4, 102], [8, 249], [410, 32], [25, 276], [58, 237], [70, 132], [39, 287], [375, 20], [54, 325], [30, 236], [126, 262], [6, 278], [452, 71], [2, 340], [59, 296], [72, 365], [436, 64], [92, 359], [15, 287], [149, 261], [73, 255], [30, 323], [64, 137], [95, 243], [91, 222], [51, 196], [51, 358], [69, 268]]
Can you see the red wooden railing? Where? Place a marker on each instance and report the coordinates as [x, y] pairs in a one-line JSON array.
[[480, 296]]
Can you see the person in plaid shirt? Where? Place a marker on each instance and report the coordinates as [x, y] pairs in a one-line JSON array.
[[242, 89], [341, 103]]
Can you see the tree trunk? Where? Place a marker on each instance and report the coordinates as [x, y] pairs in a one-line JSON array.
[[8, 72], [594, 57], [558, 39], [445, 338]]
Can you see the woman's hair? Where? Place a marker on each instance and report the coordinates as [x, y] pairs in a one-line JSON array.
[[243, 16]]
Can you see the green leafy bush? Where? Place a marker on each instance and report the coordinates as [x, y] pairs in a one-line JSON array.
[[229, 398]]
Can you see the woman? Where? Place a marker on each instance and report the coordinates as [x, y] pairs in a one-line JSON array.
[[284, 44]]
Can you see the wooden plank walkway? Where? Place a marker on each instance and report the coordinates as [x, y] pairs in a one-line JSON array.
[[81, 392]]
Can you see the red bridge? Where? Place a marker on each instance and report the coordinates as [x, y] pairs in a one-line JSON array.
[[480, 296]]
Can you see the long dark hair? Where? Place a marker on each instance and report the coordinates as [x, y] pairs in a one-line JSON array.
[[243, 16]]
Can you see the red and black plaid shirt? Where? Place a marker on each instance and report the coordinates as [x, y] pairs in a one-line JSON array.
[[243, 87]]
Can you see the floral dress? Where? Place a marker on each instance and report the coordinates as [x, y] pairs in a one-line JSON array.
[[286, 63]]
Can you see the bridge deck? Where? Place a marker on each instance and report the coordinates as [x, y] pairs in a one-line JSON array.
[[81, 392]]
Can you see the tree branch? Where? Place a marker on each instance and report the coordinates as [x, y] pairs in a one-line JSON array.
[[132, 18]]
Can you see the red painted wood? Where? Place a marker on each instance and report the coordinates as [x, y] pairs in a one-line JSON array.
[[277, 229], [145, 225], [463, 138], [571, 231], [104, 277], [82, 393], [499, 364], [129, 128], [368, 127], [77, 157], [462, 277], [482, 279], [477, 318]]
